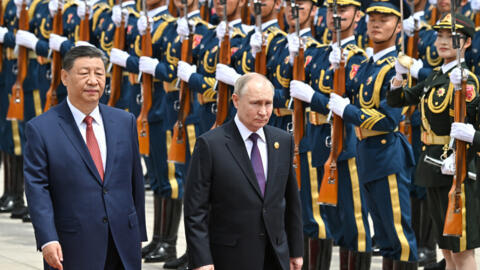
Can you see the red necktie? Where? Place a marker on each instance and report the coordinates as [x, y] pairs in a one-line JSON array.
[[92, 145]]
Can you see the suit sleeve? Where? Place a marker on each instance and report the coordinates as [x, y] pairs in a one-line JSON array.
[[197, 203], [37, 187], [293, 212], [137, 184]]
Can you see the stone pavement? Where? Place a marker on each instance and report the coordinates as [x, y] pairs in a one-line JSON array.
[[18, 249]]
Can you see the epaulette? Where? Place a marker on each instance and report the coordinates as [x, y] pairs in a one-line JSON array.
[[165, 17], [275, 31], [311, 42], [68, 4], [238, 32], [425, 25], [133, 12], [198, 20], [98, 10], [31, 8], [437, 68], [353, 49], [390, 61]]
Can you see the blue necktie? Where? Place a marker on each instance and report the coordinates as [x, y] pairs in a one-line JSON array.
[[257, 163]]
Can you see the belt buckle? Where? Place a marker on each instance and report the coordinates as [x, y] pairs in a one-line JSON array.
[[214, 108]]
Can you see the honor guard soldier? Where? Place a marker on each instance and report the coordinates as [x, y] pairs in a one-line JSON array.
[[384, 156], [435, 96], [200, 75], [346, 223]]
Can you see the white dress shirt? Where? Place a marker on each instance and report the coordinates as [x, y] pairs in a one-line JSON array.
[[383, 52], [97, 126], [261, 142]]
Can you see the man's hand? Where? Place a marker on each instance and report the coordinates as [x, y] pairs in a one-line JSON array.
[[463, 132], [148, 65], [55, 41], [301, 90], [296, 263], [226, 74], [205, 267], [52, 253], [338, 104]]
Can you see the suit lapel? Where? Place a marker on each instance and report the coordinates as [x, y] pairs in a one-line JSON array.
[[109, 125], [69, 127], [271, 158], [236, 146]]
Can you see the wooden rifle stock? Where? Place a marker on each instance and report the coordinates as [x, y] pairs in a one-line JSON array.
[[205, 11], [56, 66], [261, 61], [281, 17], [298, 113], [116, 76], [147, 84], [454, 216], [223, 89], [434, 16], [178, 147], [172, 9], [1, 24], [328, 193], [477, 19], [85, 26], [246, 18], [16, 105]]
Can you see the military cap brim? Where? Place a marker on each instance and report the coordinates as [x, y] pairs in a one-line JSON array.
[[463, 24], [389, 7]]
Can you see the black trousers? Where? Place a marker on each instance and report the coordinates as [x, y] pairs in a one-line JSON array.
[[113, 261]]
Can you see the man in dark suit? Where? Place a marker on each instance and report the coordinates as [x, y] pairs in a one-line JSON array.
[[83, 177], [242, 209]]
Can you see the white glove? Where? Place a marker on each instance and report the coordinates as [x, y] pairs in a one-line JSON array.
[[117, 15], [3, 32], [448, 165], [463, 132], [26, 39], [456, 77], [400, 69], [475, 4], [221, 30], [147, 64], [335, 56], [55, 42], [301, 90], [415, 68], [226, 74], [142, 24], [119, 57], [18, 4], [369, 52], [409, 26], [256, 43], [185, 70], [83, 43], [82, 9], [182, 27], [53, 6], [293, 44], [338, 104], [432, 2]]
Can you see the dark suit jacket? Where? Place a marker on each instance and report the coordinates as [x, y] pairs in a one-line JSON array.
[[68, 201], [227, 220]]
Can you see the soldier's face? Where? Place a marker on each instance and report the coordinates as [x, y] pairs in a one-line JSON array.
[[232, 5], [152, 3], [85, 81], [443, 6], [268, 7], [307, 11], [179, 5], [445, 47], [349, 16], [382, 27], [254, 105]]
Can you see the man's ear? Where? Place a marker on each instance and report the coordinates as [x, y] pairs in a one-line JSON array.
[[64, 76], [235, 100]]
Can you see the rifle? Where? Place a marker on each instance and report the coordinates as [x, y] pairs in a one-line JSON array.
[[85, 25], [116, 78], [477, 19], [178, 148], [16, 105], [281, 16], [260, 57], [438, 163], [172, 9], [56, 67], [204, 10], [1, 24], [453, 218], [246, 18], [147, 83], [434, 15], [328, 193], [224, 58]]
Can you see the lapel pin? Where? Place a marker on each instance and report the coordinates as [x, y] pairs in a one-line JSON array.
[[276, 145]]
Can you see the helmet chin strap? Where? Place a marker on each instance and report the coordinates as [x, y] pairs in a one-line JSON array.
[[393, 33], [351, 22]]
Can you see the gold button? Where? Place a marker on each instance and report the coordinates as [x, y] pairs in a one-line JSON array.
[[424, 148], [366, 93], [383, 141], [204, 86], [362, 116]]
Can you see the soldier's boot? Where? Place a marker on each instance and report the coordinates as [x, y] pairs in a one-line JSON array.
[[387, 264], [172, 214], [401, 265], [441, 265], [157, 216], [176, 263], [19, 210], [425, 239], [8, 198], [320, 253], [13, 200], [359, 260], [343, 256]]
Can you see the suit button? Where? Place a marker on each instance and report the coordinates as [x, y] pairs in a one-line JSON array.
[[261, 234], [105, 191], [105, 219], [264, 210]]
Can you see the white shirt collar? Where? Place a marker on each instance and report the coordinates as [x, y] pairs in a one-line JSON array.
[[193, 13], [152, 13], [80, 116], [447, 67], [245, 132], [304, 31], [383, 52], [234, 22], [127, 3], [265, 25], [345, 40], [417, 15]]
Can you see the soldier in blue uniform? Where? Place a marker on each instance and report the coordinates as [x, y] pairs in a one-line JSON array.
[[347, 223], [435, 94], [384, 156], [200, 74]]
